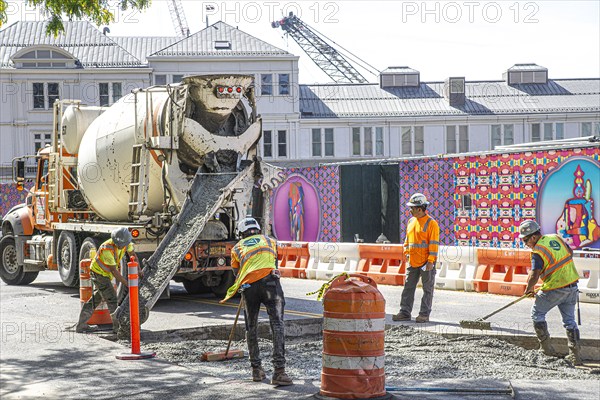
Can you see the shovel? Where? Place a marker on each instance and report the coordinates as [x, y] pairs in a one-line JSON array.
[[481, 323]]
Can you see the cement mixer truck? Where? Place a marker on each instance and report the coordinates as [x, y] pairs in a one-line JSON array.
[[175, 164]]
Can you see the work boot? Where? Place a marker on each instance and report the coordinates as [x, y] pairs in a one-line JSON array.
[[280, 378], [541, 330], [422, 318], [574, 356], [115, 322], [83, 328], [400, 317], [258, 374]]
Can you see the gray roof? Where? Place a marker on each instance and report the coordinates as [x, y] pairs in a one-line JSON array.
[[203, 44], [80, 38], [483, 98], [143, 46]]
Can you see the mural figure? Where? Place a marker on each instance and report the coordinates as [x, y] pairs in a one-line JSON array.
[[577, 225], [296, 210]]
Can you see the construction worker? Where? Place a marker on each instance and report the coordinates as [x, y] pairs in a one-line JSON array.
[[552, 261], [254, 258], [421, 250], [102, 269]]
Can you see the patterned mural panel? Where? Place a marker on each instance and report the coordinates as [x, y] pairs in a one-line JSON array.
[[9, 197], [306, 206], [504, 191], [433, 178]]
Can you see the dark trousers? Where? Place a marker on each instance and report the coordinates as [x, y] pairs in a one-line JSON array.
[[267, 291], [103, 290], [408, 293]]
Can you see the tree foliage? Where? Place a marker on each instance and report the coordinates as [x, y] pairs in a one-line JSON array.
[[98, 11]]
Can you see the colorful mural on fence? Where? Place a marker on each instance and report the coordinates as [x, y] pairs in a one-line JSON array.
[[573, 214], [433, 178], [10, 196], [306, 206], [504, 190]]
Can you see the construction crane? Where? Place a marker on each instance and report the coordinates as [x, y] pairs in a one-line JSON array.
[[331, 61], [178, 17]]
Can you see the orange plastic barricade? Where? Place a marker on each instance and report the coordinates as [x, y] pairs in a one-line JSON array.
[[507, 269], [353, 340], [101, 315], [292, 259], [588, 268], [384, 263]]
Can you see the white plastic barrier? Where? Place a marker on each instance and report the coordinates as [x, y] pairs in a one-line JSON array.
[[456, 268], [588, 267], [330, 259]]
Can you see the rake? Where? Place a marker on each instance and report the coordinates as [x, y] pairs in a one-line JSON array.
[[481, 323]]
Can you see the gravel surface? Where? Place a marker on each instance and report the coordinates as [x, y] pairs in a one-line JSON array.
[[410, 354]]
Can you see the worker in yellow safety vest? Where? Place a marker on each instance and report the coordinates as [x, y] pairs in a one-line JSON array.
[[254, 258], [552, 261], [103, 268]]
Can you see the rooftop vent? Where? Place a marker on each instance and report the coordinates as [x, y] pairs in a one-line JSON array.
[[525, 73], [454, 91], [222, 44], [399, 77]]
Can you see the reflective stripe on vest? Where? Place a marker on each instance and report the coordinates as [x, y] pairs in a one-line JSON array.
[[559, 269], [105, 247]]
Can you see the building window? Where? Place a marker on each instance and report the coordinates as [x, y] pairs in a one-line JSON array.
[[160, 79], [281, 143], [45, 94], [44, 59], [40, 140], [284, 84], [322, 142], [547, 131], [457, 139], [466, 202], [412, 140], [590, 129], [363, 141], [177, 78], [267, 144], [503, 135], [266, 84], [109, 93]]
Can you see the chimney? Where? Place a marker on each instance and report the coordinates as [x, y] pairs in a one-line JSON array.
[[454, 91]]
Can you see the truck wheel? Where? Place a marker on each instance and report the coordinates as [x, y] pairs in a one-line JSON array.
[[11, 272], [227, 280], [195, 286], [67, 258], [87, 245]]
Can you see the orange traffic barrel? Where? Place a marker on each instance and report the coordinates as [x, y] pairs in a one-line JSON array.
[[101, 315], [353, 340]]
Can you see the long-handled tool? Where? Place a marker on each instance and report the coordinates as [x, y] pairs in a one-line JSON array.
[[228, 354], [481, 323]]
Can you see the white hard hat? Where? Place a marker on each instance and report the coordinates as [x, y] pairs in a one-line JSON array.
[[121, 237], [248, 223], [417, 200], [527, 228]]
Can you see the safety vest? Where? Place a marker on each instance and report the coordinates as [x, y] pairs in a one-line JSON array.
[[108, 255], [422, 240], [253, 253], [559, 269]]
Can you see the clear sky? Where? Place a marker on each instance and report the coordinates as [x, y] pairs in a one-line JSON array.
[[475, 39]]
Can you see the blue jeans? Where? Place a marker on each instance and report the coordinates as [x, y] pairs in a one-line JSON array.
[[564, 298]]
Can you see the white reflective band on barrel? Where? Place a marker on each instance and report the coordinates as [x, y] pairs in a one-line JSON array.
[[353, 325], [132, 270], [85, 282], [133, 282], [359, 362]]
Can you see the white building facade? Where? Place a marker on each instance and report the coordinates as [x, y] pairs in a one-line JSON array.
[[302, 124]]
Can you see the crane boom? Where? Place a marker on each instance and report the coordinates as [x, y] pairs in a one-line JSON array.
[[324, 55], [178, 17]]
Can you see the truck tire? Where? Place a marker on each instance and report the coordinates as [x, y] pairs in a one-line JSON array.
[[10, 272], [87, 245], [195, 286], [227, 280], [67, 251]]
